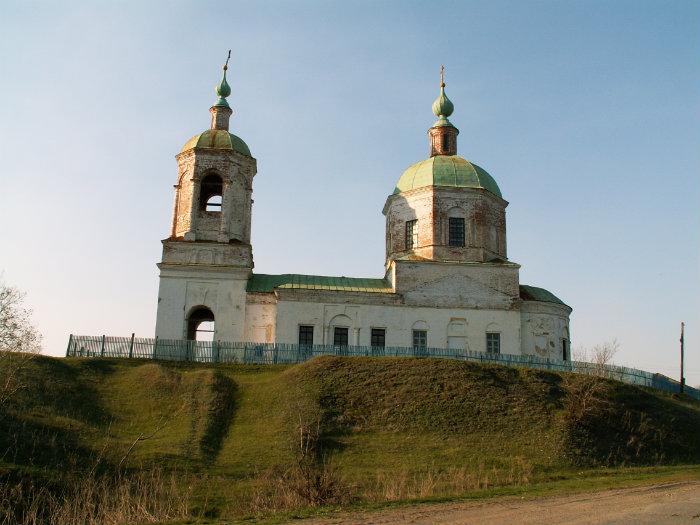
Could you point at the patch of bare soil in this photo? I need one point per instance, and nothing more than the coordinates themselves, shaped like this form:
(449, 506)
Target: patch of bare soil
(661, 504)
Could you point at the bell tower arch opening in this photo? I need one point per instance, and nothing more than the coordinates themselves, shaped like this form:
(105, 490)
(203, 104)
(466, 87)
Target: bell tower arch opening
(211, 193)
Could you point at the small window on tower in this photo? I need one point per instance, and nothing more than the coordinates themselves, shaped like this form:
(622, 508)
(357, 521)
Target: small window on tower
(210, 193)
(411, 234)
(445, 142)
(456, 228)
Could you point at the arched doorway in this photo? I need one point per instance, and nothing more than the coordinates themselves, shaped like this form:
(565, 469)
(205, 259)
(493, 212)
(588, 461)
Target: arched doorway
(200, 324)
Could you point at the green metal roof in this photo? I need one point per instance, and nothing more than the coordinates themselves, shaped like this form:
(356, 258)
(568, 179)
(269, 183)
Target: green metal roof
(261, 282)
(446, 170)
(532, 293)
(217, 139)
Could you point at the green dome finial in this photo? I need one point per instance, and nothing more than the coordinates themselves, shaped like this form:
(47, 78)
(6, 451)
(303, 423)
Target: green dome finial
(223, 89)
(443, 106)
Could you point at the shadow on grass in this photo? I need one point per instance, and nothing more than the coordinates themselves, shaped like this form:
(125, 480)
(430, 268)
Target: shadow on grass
(34, 444)
(225, 400)
(57, 388)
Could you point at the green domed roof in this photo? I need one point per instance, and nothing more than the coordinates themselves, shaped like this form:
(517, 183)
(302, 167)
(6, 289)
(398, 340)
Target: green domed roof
(217, 139)
(446, 170)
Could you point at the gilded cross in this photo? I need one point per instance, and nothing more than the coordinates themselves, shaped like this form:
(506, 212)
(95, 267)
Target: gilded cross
(442, 76)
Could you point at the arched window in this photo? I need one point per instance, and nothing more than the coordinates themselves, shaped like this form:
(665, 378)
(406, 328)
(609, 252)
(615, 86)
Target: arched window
(210, 193)
(339, 330)
(445, 143)
(493, 339)
(419, 337)
(200, 324)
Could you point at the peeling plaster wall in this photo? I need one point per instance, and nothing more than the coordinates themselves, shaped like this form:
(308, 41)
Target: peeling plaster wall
(459, 285)
(544, 327)
(233, 222)
(483, 212)
(260, 316)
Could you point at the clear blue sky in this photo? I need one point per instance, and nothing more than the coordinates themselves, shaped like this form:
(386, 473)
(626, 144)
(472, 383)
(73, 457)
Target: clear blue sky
(585, 112)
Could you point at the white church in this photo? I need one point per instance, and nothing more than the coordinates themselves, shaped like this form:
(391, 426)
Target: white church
(447, 280)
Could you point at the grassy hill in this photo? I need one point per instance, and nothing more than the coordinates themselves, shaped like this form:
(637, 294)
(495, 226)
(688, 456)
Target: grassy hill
(230, 441)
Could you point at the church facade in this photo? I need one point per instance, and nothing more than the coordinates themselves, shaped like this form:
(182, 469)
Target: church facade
(447, 280)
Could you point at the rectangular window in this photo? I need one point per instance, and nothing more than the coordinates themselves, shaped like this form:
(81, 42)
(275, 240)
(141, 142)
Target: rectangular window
(456, 231)
(378, 337)
(493, 343)
(564, 345)
(306, 335)
(340, 336)
(411, 234)
(420, 339)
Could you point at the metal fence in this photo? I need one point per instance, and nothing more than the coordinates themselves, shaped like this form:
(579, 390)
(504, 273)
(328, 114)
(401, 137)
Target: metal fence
(284, 353)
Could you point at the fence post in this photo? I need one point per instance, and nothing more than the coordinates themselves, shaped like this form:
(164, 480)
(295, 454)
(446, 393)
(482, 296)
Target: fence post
(102, 350)
(131, 346)
(215, 351)
(155, 346)
(70, 340)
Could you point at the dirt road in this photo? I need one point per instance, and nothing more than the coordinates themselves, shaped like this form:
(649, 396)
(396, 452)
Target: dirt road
(669, 503)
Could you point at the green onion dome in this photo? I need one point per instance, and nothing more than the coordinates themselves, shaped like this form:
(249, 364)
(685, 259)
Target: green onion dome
(443, 106)
(217, 139)
(223, 90)
(447, 171)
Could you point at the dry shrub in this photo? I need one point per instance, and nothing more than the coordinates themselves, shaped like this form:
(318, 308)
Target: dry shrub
(146, 497)
(457, 480)
(299, 486)
(311, 481)
(585, 397)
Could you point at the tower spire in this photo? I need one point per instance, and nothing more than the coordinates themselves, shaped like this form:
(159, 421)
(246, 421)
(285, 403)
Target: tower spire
(443, 135)
(443, 106)
(221, 111)
(223, 89)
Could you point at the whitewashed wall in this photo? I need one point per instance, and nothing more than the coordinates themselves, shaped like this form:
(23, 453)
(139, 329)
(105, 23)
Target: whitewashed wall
(465, 328)
(182, 290)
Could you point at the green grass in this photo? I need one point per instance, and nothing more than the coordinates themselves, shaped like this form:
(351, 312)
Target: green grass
(385, 426)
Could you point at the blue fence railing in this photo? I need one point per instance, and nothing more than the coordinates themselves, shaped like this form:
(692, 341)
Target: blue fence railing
(284, 353)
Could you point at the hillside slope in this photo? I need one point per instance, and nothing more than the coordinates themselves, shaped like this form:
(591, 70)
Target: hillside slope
(369, 428)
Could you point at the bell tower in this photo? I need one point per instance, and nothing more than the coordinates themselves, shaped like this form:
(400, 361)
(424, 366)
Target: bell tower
(208, 258)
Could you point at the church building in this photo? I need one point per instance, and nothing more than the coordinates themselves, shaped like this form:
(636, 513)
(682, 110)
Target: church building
(447, 280)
